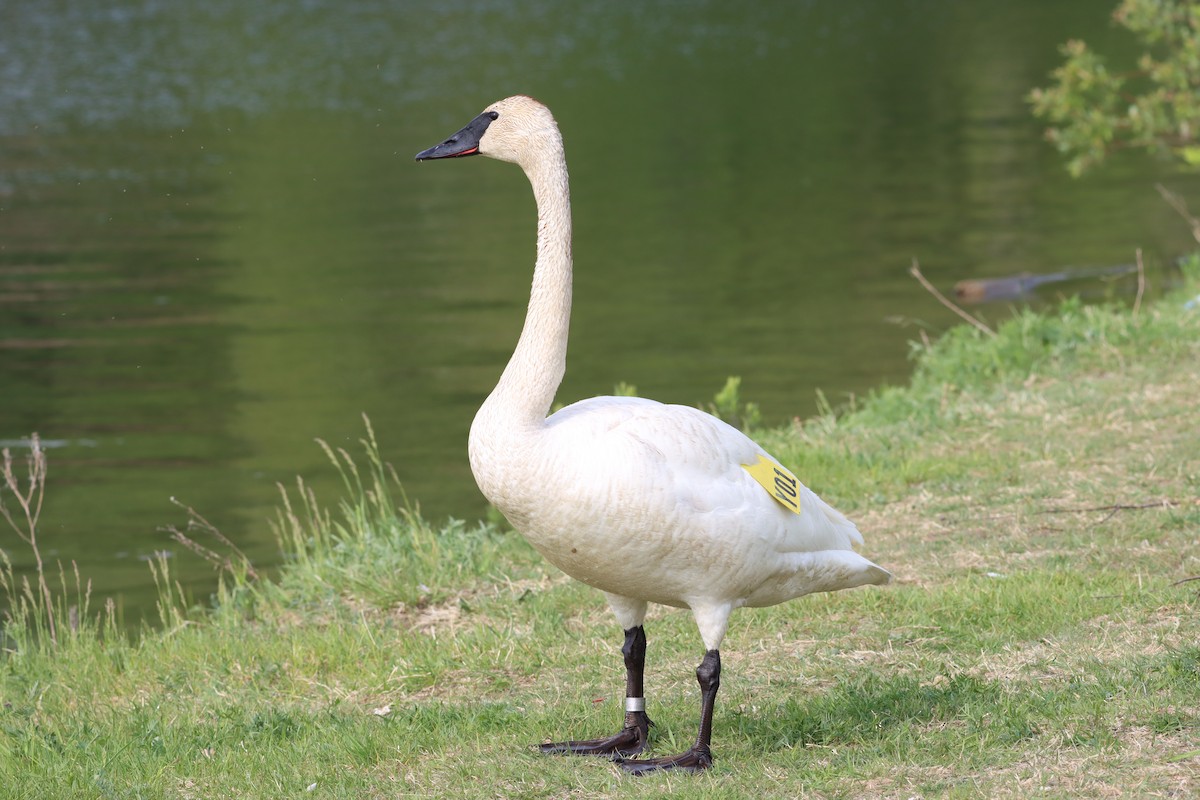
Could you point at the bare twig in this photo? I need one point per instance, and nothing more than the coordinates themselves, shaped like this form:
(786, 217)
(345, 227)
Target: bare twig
(30, 502)
(1141, 284)
(915, 271)
(1112, 507)
(1176, 202)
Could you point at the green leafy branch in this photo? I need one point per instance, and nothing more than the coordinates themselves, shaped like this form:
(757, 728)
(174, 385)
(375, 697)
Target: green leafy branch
(1094, 111)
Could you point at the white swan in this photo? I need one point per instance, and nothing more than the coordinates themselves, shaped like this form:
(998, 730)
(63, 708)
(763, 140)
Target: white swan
(649, 503)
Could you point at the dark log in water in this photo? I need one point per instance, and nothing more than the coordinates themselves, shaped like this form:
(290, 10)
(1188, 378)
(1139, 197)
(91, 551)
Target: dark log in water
(1017, 287)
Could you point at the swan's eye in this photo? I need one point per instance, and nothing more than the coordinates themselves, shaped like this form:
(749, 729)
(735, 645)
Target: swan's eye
(493, 114)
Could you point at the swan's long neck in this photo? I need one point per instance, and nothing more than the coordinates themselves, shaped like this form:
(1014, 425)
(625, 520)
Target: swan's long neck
(526, 389)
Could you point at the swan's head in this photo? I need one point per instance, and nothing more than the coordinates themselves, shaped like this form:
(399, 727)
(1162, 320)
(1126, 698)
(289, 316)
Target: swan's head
(514, 129)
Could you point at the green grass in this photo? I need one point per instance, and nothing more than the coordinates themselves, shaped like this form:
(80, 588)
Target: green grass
(1034, 493)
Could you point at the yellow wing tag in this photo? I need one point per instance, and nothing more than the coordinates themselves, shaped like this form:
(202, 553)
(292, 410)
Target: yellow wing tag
(779, 483)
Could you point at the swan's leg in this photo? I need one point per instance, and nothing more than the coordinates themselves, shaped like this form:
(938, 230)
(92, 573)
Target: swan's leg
(631, 740)
(712, 620)
(699, 756)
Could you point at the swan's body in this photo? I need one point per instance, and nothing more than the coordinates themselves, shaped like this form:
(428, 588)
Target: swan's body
(644, 501)
(651, 502)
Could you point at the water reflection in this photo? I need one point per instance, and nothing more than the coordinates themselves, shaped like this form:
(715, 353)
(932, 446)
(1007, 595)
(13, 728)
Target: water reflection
(214, 247)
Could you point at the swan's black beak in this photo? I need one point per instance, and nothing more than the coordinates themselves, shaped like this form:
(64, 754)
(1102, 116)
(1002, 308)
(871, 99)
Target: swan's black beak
(463, 143)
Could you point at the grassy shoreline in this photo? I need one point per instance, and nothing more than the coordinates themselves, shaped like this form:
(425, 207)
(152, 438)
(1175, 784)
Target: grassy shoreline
(1034, 493)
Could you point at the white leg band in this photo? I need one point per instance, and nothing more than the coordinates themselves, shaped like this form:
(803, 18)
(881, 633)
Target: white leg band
(635, 704)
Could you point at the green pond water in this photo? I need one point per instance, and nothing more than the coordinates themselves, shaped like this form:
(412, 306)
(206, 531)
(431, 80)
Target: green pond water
(215, 246)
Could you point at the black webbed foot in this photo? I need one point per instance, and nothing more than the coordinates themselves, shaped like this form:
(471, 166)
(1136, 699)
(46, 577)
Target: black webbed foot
(629, 742)
(696, 759)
